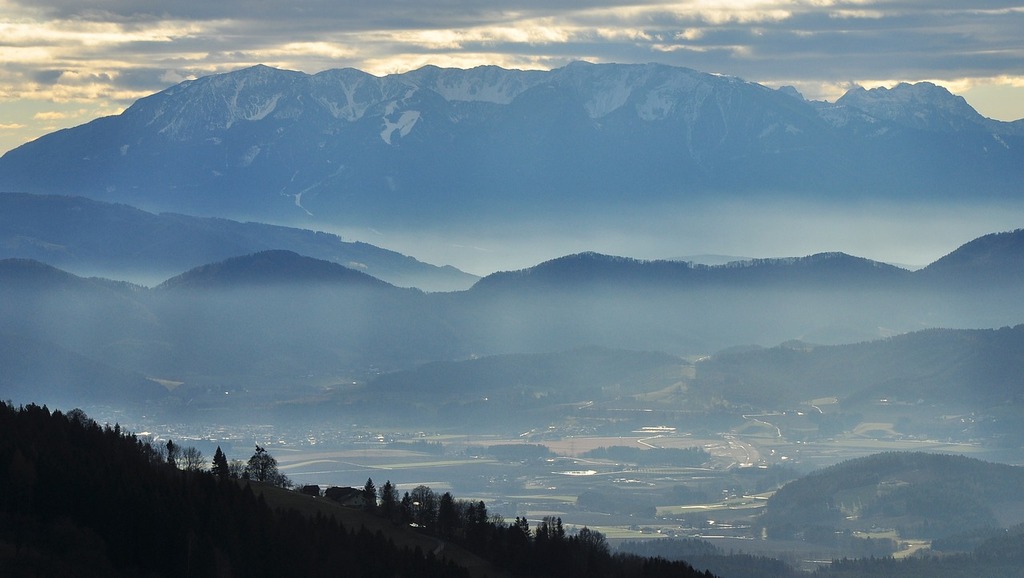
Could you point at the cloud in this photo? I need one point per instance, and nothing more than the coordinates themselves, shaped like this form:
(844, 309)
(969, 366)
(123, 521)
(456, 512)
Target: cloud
(52, 115)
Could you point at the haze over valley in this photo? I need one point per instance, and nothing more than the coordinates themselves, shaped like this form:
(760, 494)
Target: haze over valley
(519, 287)
(490, 169)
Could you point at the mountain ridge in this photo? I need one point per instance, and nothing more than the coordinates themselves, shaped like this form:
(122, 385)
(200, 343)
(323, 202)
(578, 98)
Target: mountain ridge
(120, 241)
(270, 268)
(595, 267)
(439, 146)
(247, 319)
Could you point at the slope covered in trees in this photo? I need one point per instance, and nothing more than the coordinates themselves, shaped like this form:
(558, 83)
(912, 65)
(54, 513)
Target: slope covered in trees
(975, 368)
(78, 499)
(920, 495)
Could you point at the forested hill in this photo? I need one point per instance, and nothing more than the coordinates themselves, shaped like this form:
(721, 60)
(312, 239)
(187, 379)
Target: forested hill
(78, 499)
(975, 368)
(921, 495)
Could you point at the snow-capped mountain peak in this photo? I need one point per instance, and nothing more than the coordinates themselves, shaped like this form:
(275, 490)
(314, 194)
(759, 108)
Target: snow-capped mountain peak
(922, 105)
(436, 142)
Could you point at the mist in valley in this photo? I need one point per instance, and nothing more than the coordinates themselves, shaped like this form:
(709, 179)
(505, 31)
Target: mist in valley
(601, 368)
(366, 322)
(908, 233)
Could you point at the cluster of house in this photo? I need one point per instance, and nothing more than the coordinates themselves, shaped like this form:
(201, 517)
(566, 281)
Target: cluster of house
(351, 497)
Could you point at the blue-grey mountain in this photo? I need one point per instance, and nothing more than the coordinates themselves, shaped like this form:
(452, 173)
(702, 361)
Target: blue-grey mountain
(118, 241)
(280, 322)
(434, 145)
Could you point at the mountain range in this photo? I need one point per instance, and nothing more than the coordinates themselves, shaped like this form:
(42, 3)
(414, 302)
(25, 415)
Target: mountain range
(276, 323)
(90, 237)
(436, 146)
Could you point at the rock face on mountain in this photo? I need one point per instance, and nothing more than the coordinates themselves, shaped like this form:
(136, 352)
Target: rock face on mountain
(435, 145)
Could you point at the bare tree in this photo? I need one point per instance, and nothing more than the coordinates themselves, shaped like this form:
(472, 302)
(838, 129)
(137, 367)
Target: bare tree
(192, 459)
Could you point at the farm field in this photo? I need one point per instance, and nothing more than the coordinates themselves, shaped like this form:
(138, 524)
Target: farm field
(717, 500)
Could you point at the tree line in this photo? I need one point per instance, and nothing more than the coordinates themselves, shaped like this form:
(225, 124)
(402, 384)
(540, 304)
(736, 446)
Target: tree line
(548, 549)
(261, 467)
(78, 499)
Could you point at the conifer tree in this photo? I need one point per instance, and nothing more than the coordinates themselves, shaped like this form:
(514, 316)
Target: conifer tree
(388, 500)
(370, 494)
(220, 465)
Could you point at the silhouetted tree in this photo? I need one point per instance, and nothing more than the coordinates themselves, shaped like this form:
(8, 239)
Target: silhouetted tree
(424, 503)
(405, 513)
(370, 494)
(388, 500)
(262, 467)
(173, 453)
(192, 459)
(592, 541)
(220, 466)
(447, 516)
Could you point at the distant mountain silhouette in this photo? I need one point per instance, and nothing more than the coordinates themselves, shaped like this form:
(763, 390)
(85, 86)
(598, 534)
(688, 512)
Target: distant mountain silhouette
(583, 371)
(270, 268)
(598, 270)
(277, 314)
(976, 369)
(920, 495)
(35, 369)
(92, 237)
(992, 260)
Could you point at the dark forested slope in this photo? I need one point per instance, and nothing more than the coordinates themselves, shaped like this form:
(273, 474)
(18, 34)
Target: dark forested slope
(974, 368)
(80, 500)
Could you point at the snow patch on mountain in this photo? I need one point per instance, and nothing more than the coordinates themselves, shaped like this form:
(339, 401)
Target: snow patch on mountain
(656, 105)
(467, 89)
(481, 84)
(256, 108)
(250, 155)
(350, 110)
(403, 125)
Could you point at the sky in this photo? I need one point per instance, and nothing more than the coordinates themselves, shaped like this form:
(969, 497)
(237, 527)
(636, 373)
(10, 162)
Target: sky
(66, 62)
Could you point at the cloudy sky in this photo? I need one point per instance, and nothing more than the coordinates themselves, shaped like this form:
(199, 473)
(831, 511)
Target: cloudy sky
(66, 62)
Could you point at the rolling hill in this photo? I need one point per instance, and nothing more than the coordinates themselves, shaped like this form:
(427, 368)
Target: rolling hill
(973, 369)
(276, 324)
(920, 495)
(117, 241)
